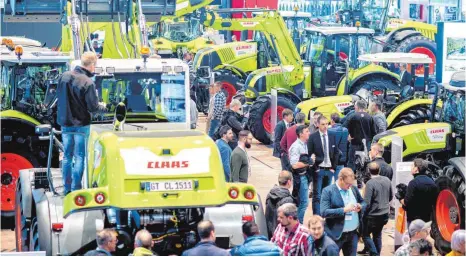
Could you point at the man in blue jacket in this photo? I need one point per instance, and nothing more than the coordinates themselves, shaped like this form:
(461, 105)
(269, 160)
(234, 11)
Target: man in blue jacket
(320, 244)
(226, 136)
(206, 247)
(255, 244)
(342, 206)
(341, 138)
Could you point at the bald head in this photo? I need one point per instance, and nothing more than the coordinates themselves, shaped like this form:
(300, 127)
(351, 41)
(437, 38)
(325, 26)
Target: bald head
(143, 239)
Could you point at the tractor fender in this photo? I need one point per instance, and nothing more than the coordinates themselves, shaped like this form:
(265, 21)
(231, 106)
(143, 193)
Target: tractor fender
(401, 34)
(458, 163)
(289, 94)
(12, 114)
(384, 75)
(402, 107)
(232, 68)
(26, 192)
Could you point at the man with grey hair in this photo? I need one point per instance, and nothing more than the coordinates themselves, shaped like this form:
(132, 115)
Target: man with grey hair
(405, 76)
(290, 235)
(77, 99)
(421, 247)
(458, 243)
(418, 229)
(143, 243)
(106, 242)
(360, 126)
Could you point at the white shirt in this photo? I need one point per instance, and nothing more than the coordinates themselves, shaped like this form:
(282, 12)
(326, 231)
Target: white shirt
(287, 125)
(326, 163)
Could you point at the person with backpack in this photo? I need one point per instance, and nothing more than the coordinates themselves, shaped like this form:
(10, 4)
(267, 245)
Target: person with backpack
(234, 119)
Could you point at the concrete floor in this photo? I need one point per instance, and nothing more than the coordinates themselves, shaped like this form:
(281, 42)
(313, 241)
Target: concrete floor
(265, 170)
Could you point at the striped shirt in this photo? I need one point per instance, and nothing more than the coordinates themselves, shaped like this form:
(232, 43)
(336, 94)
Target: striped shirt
(292, 243)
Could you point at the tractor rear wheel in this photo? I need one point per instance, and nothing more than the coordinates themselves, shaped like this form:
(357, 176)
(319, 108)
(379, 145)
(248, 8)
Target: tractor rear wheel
(12, 161)
(419, 45)
(260, 114)
(379, 83)
(415, 115)
(449, 211)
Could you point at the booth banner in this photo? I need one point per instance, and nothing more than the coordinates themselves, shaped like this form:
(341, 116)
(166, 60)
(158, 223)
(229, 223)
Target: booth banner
(451, 49)
(452, 3)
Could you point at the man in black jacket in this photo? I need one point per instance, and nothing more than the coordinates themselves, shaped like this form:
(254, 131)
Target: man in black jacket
(77, 98)
(278, 196)
(421, 194)
(360, 126)
(319, 243)
(376, 154)
(405, 76)
(323, 145)
(279, 131)
(234, 119)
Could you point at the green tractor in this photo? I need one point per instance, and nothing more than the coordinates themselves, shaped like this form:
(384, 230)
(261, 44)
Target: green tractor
(395, 35)
(402, 106)
(28, 87)
(442, 144)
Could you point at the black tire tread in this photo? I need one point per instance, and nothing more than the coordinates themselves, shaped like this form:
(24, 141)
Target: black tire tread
(415, 115)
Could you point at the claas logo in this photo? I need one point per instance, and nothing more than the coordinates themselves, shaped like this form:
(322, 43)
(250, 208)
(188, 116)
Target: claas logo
(435, 131)
(243, 47)
(167, 164)
(343, 104)
(276, 70)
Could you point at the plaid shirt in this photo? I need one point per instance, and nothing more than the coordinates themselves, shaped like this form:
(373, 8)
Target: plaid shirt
(403, 250)
(219, 105)
(294, 242)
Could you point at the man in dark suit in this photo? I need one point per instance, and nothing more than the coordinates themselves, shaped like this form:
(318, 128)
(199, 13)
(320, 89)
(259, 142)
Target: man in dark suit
(323, 145)
(342, 207)
(280, 129)
(405, 76)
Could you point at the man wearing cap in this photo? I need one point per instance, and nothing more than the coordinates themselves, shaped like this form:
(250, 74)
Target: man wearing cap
(418, 229)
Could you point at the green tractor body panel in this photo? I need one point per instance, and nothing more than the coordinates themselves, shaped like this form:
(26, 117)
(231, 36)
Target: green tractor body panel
(242, 55)
(419, 138)
(427, 30)
(165, 46)
(18, 115)
(326, 105)
(399, 109)
(356, 75)
(132, 161)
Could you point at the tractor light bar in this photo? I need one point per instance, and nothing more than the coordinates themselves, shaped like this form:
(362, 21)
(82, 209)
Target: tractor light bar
(178, 69)
(98, 70)
(18, 50)
(167, 69)
(110, 70)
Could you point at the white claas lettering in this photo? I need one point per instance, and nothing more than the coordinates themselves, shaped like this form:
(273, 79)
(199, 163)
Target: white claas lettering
(435, 131)
(167, 164)
(243, 47)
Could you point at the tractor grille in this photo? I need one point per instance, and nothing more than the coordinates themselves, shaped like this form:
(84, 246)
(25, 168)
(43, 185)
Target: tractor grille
(275, 80)
(227, 54)
(427, 33)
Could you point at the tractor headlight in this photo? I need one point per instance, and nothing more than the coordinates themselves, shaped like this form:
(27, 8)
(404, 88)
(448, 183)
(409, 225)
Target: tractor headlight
(164, 51)
(97, 154)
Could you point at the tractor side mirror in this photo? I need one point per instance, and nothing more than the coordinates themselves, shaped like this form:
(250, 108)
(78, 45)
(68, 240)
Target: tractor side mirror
(120, 112)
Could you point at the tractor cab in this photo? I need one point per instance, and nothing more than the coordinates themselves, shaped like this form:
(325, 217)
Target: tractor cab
(332, 53)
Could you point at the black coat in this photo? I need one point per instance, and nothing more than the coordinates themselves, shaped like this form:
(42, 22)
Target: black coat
(279, 132)
(421, 196)
(406, 79)
(314, 146)
(385, 169)
(276, 198)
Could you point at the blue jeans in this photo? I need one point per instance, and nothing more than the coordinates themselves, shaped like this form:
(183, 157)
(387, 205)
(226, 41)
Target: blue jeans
(348, 242)
(322, 179)
(303, 197)
(213, 127)
(74, 144)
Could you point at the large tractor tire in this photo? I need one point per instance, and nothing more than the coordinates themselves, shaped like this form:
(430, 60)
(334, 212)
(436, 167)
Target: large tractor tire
(260, 113)
(418, 114)
(375, 83)
(12, 161)
(419, 45)
(449, 211)
(229, 82)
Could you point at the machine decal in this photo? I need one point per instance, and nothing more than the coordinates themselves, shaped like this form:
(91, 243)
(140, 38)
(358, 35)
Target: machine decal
(245, 49)
(437, 134)
(249, 24)
(341, 106)
(141, 161)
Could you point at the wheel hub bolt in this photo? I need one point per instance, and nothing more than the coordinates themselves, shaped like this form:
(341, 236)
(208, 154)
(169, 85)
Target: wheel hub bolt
(454, 215)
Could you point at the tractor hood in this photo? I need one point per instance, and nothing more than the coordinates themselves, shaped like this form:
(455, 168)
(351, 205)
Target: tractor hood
(418, 138)
(156, 169)
(325, 105)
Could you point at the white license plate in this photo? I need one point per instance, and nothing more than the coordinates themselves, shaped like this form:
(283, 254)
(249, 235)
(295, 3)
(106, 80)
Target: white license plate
(171, 185)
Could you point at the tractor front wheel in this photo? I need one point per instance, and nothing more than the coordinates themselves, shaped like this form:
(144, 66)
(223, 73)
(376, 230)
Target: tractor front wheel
(12, 161)
(415, 115)
(449, 211)
(260, 115)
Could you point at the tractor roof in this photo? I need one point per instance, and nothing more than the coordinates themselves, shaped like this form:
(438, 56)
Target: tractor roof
(290, 14)
(23, 41)
(33, 52)
(133, 65)
(408, 58)
(340, 30)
